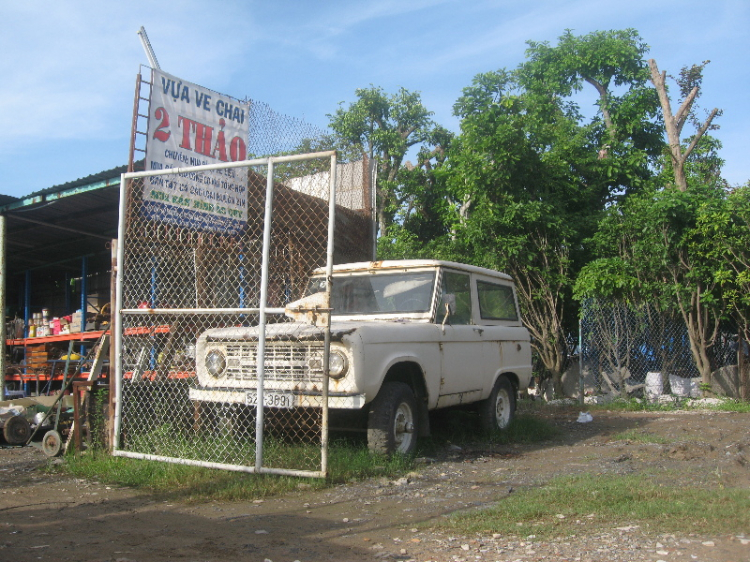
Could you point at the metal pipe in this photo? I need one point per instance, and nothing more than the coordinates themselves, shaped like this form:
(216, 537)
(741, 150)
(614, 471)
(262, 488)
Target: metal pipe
(26, 317)
(241, 259)
(117, 314)
(374, 206)
(150, 54)
(262, 318)
(48, 224)
(27, 301)
(84, 292)
(68, 299)
(225, 165)
(84, 299)
(327, 333)
(182, 311)
(580, 361)
(113, 337)
(206, 464)
(134, 127)
(3, 335)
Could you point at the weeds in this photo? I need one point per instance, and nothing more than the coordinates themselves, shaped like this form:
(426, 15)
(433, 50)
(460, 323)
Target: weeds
(461, 426)
(348, 459)
(190, 483)
(569, 505)
(641, 405)
(640, 436)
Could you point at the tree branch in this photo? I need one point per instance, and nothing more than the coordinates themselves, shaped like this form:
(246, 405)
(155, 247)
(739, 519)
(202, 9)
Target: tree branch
(701, 132)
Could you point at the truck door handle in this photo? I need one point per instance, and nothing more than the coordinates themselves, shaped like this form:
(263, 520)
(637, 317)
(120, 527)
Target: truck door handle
(480, 331)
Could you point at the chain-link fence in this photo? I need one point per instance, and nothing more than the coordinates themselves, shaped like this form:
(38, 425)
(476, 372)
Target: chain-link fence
(211, 369)
(639, 350)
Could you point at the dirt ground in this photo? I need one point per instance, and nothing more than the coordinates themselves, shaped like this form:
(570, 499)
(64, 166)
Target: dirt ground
(52, 517)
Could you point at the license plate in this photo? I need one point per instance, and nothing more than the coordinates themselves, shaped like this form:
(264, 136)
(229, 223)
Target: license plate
(271, 399)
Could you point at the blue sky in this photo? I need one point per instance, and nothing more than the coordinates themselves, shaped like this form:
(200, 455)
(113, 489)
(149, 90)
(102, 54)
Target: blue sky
(68, 68)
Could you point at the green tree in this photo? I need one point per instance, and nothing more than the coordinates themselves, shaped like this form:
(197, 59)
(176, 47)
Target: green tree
(421, 192)
(725, 242)
(653, 249)
(529, 177)
(605, 60)
(518, 204)
(385, 127)
(323, 143)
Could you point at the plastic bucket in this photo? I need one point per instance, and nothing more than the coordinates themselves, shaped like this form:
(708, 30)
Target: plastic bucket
(685, 387)
(654, 385)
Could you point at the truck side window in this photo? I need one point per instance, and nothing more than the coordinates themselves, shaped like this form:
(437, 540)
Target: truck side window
(496, 302)
(457, 284)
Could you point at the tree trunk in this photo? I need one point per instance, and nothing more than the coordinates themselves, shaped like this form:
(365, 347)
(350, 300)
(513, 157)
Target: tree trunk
(674, 124)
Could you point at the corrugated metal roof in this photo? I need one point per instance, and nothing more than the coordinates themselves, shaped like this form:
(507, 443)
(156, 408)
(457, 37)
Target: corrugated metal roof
(88, 180)
(5, 199)
(56, 227)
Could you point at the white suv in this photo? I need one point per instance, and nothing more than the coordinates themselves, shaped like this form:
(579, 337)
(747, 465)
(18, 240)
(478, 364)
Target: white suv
(406, 337)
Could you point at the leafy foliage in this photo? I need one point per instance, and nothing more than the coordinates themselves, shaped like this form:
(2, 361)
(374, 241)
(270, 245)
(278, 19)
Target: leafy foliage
(528, 178)
(653, 250)
(385, 127)
(568, 205)
(725, 243)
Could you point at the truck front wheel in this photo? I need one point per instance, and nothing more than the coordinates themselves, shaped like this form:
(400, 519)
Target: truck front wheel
(392, 424)
(499, 409)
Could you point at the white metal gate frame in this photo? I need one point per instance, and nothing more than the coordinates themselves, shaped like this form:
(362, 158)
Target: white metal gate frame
(262, 311)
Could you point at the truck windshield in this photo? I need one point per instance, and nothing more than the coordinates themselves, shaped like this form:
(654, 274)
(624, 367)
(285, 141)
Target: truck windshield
(388, 293)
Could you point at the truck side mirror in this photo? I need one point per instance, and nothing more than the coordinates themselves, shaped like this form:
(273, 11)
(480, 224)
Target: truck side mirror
(449, 303)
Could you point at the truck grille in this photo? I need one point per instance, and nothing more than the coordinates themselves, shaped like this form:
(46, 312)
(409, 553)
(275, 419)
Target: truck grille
(285, 362)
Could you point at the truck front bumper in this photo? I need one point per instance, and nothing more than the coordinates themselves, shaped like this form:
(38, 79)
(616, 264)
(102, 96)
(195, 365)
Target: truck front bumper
(336, 400)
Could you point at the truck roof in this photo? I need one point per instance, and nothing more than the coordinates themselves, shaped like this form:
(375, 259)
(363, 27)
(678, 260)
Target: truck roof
(411, 264)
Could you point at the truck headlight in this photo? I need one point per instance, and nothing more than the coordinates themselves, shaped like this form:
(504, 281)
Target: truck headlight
(215, 363)
(337, 364)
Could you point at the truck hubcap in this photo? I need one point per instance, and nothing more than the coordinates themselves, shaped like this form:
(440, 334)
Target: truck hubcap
(403, 430)
(502, 412)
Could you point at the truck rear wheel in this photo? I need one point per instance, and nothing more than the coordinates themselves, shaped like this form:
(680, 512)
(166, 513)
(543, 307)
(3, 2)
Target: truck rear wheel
(499, 409)
(392, 425)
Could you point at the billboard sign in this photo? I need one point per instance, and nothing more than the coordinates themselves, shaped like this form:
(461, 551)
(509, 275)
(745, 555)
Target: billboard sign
(189, 125)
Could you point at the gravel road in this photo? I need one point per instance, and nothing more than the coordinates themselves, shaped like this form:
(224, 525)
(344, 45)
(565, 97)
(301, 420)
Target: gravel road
(51, 517)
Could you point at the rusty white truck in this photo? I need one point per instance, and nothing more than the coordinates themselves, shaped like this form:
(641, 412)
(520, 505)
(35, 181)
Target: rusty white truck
(406, 337)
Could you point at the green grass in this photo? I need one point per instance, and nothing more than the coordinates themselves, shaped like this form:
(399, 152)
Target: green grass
(348, 460)
(733, 406)
(613, 500)
(640, 405)
(461, 427)
(572, 505)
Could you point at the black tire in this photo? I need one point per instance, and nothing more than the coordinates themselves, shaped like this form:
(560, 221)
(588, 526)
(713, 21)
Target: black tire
(499, 409)
(393, 421)
(17, 430)
(52, 443)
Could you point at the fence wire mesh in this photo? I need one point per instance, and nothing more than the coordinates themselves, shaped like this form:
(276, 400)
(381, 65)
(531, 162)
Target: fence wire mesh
(194, 310)
(639, 350)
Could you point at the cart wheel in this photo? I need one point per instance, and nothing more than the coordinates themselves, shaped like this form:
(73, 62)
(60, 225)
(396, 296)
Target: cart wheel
(52, 443)
(17, 430)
